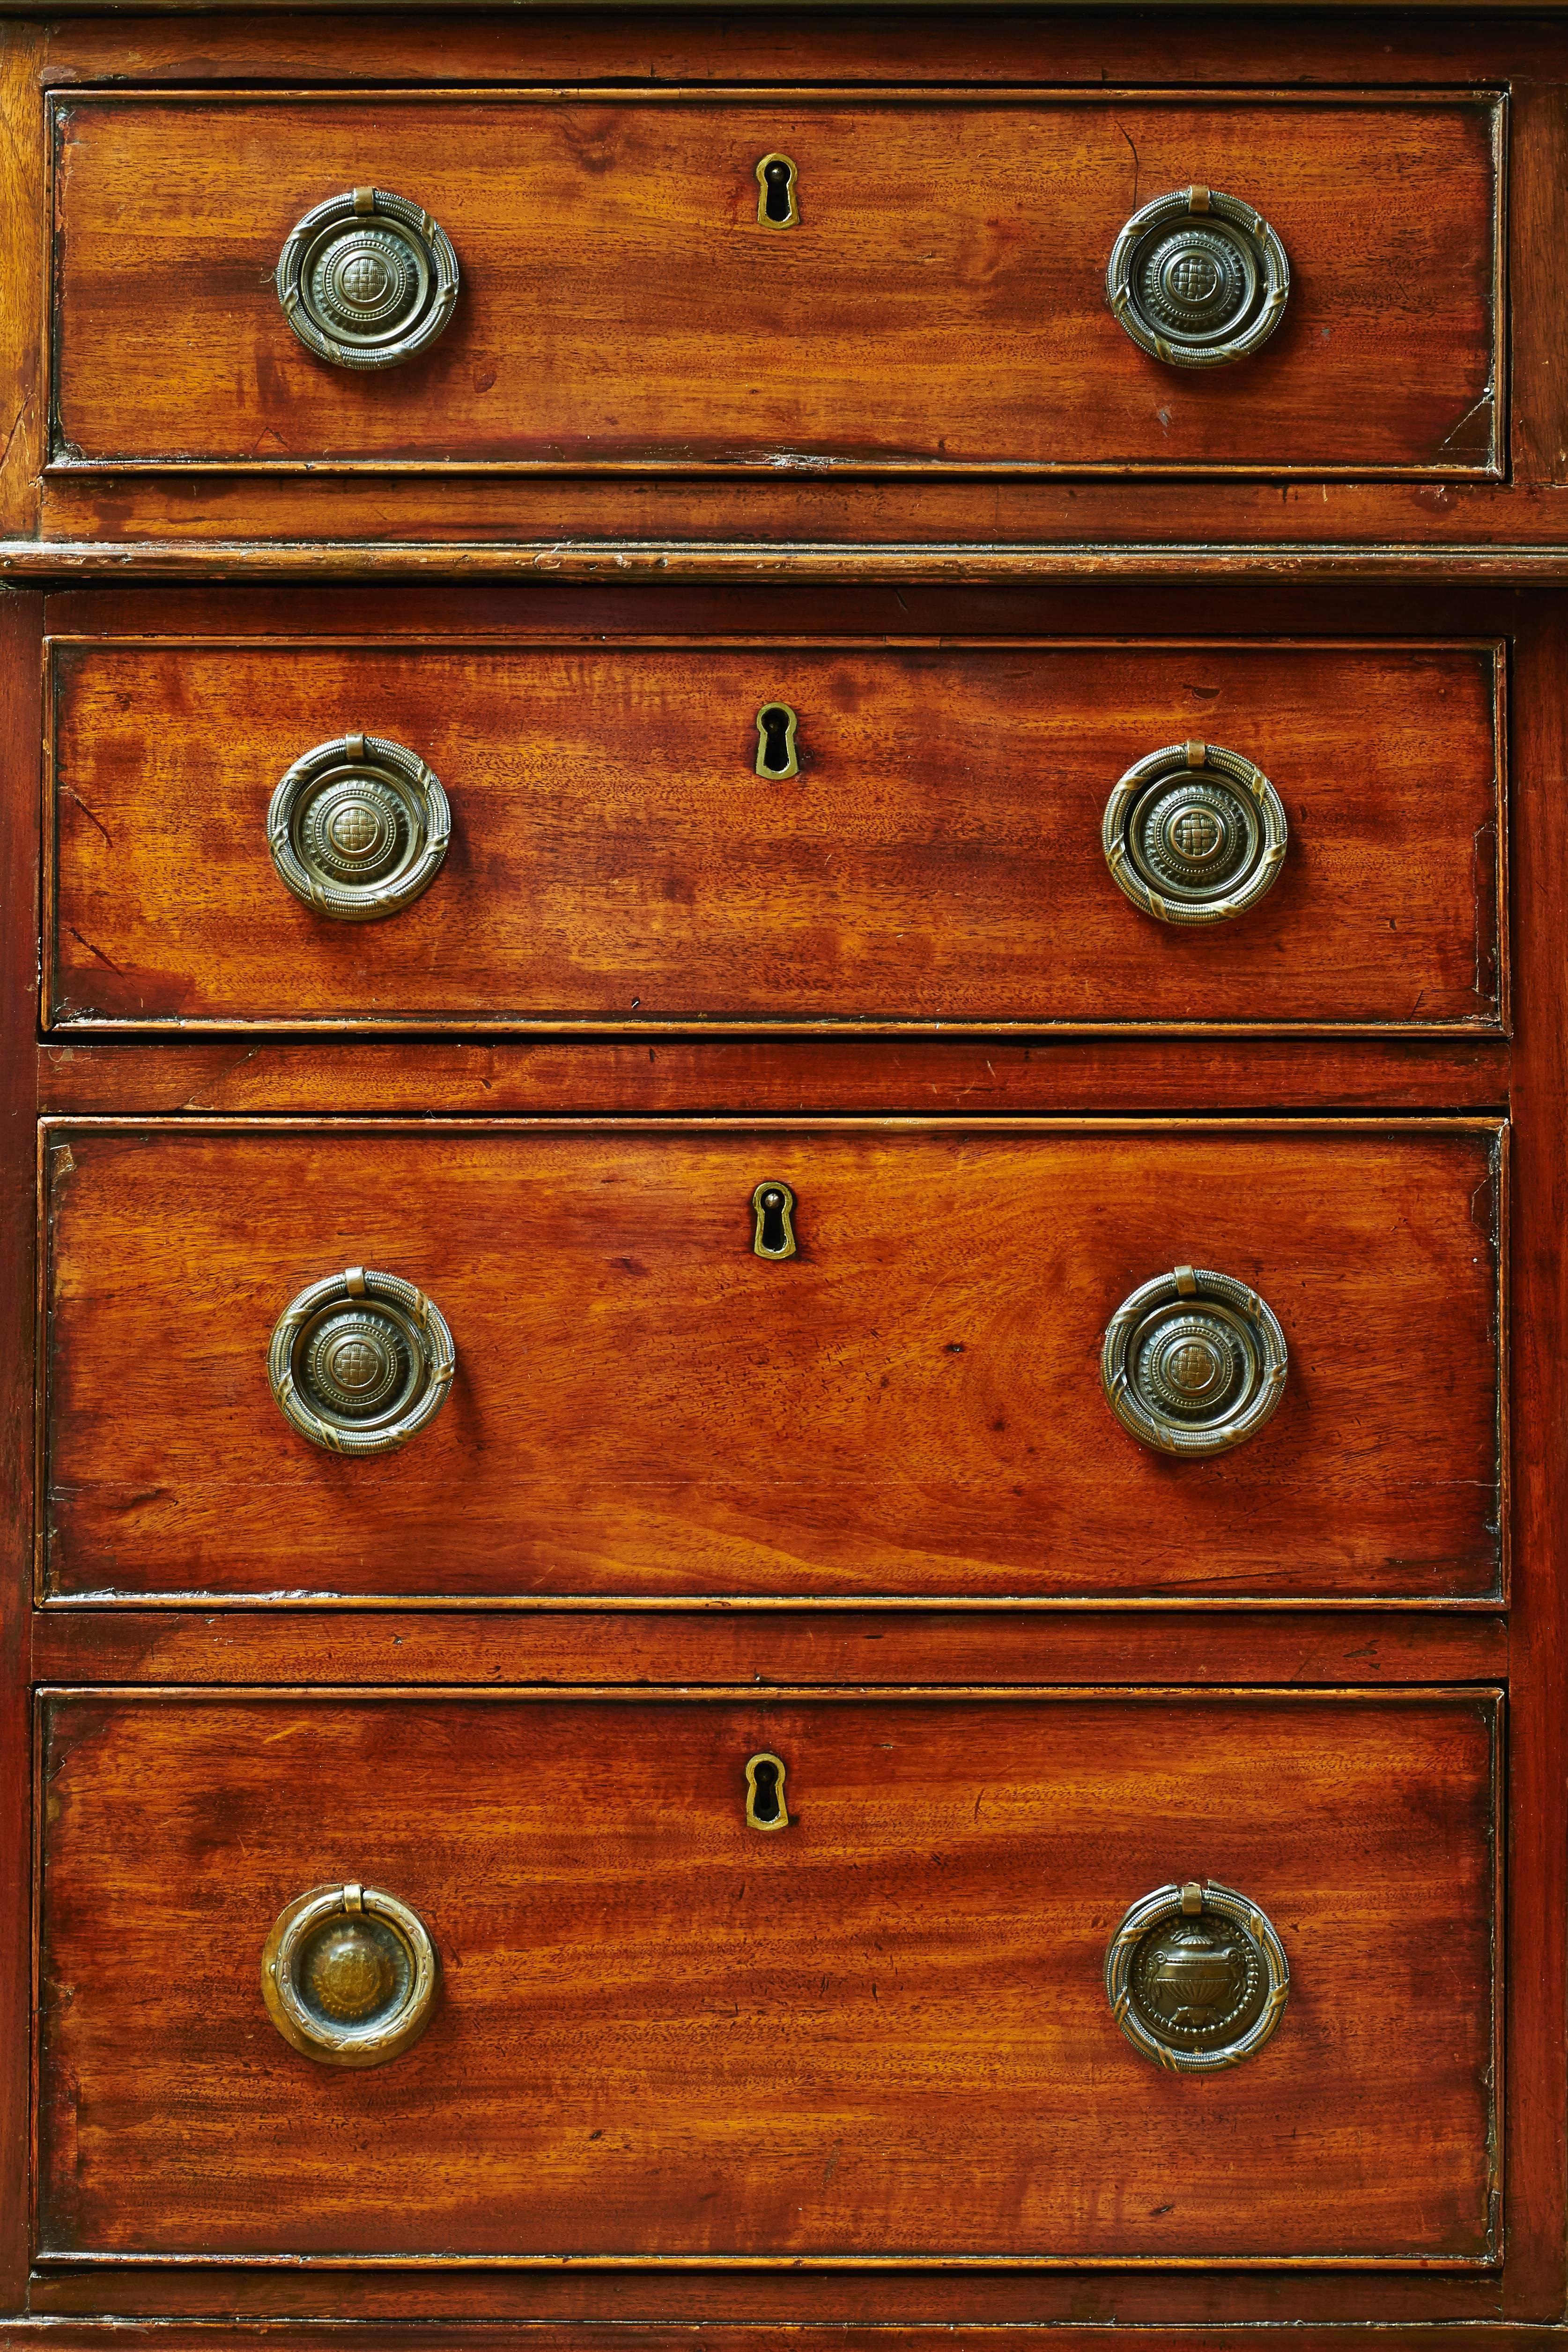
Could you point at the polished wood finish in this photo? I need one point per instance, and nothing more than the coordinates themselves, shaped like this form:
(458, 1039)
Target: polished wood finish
(938, 856)
(346, 1646)
(881, 2035)
(623, 306)
(531, 557)
(951, 1291)
(566, 2302)
(169, 517)
(825, 1076)
(20, 711)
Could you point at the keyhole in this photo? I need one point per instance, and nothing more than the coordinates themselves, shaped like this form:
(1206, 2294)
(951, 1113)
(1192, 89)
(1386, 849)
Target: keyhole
(772, 1205)
(776, 723)
(776, 206)
(765, 1806)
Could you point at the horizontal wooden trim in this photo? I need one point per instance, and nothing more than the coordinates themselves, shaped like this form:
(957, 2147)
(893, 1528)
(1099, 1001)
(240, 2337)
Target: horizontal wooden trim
(587, 2335)
(1165, 2263)
(1167, 92)
(805, 465)
(81, 1075)
(782, 1695)
(344, 1647)
(733, 1603)
(1431, 1123)
(90, 1027)
(647, 2307)
(28, 560)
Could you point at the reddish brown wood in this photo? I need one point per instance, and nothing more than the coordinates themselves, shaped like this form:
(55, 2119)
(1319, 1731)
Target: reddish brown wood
(774, 2301)
(1298, 1647)
(1539, 1290)
(619, 290)
(1440, 600)
(870, 2334)
(824, 1075)
(879, 2035)
(20, 661)
(185, 527)
(330, 44)
(22, 259)
(616, 854)
(644, 1408)
(1363, 537)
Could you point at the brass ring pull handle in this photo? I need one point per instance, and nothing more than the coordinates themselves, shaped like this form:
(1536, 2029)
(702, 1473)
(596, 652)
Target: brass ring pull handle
(1194, 833)
(1198, 278)
(349, 1976)
(1194, 1363)
(367, 279)
(359, 829)
(361, 1363)
(1196, 1978)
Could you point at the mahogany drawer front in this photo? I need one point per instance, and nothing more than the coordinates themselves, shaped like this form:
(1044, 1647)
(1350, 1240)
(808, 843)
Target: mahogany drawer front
(644, 1408)
(883, 2032)
(940, 304)
(615, 856)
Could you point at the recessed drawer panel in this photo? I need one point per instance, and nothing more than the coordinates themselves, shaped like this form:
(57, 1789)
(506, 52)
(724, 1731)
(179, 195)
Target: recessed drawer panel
(762, 1361)
(612, 281)
(598, 2009)
(1071, 833)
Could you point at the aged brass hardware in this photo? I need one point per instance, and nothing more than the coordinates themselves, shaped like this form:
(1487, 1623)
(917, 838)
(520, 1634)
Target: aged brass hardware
(772, 1206)
(1198, 278)
(349, 1976)
(1194, 833)
(361, 1363)
(367, 279)
(1194, 1363)
(776, 205)
(1196, 1978)
(359, 829)
(776, 723)
(765, 1806)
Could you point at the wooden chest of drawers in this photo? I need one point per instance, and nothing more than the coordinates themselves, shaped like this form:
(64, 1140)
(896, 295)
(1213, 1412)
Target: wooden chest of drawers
(782, 1127)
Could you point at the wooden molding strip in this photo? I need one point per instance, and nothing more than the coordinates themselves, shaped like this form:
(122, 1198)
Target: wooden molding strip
(26, 561)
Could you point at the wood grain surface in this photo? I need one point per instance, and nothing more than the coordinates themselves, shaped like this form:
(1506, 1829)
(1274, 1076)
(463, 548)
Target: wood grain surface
(622, 305)
(482, 1647)
(938, 857)
(823, 1077)
(881, 2034)
(21, 650)
(643, 1407)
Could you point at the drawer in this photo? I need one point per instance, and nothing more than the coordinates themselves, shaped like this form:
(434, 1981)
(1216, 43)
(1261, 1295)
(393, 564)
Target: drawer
(939, 302)
(803, 834)
(879, 2032)
(913, 1405)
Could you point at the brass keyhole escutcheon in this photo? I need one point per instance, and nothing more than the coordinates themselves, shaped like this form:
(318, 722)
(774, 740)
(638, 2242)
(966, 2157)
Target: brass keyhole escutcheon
(776, 724)
(765, 1806)
(776, 206)
(773, 1207)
